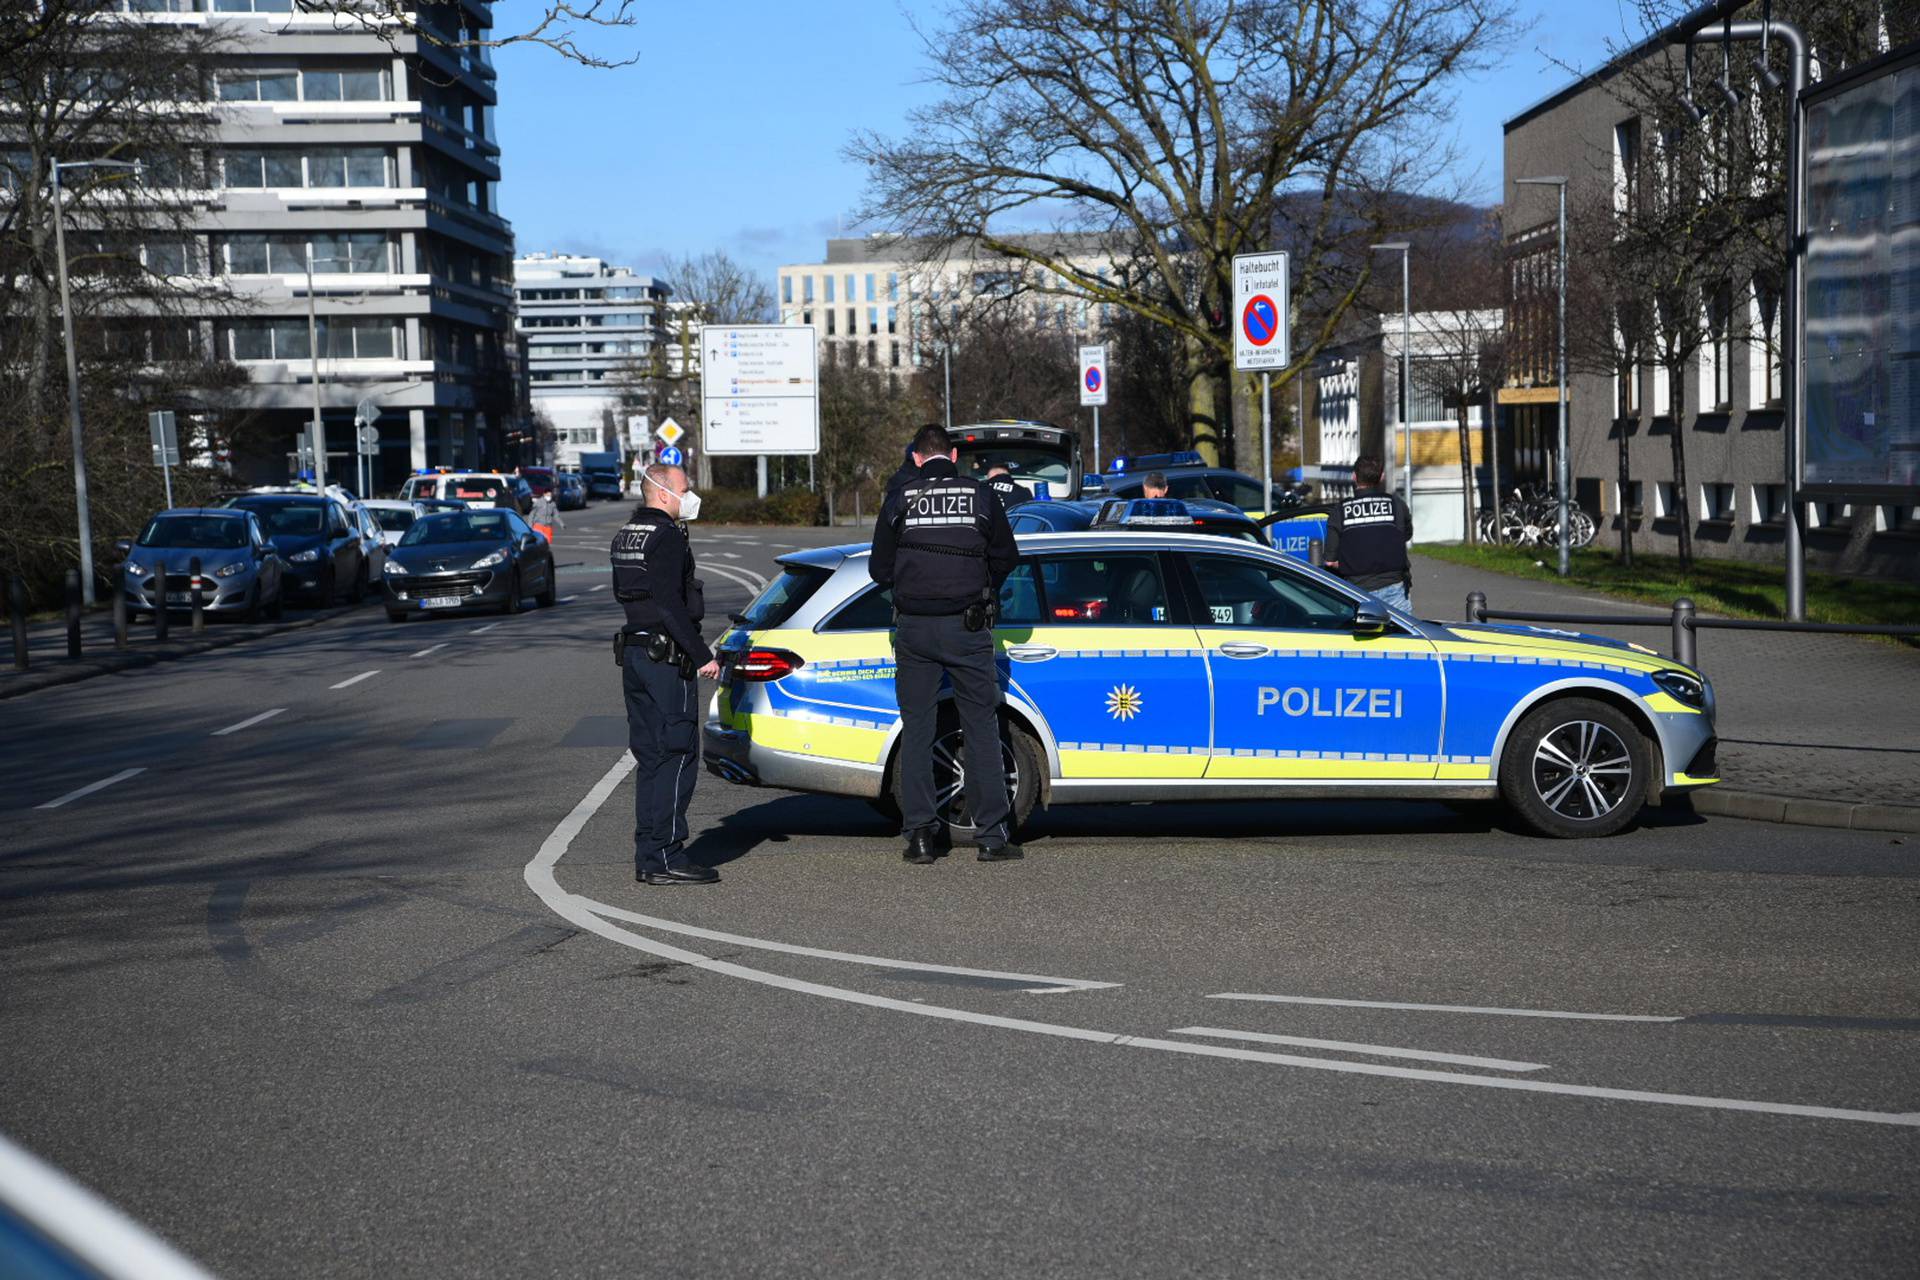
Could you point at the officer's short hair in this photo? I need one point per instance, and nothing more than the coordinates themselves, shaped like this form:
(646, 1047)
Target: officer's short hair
(1367, 471)
(1158, 479)
(932, 439)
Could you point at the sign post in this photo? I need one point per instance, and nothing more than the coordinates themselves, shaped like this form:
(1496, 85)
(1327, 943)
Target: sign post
(1093, 390)
(1262, 337)
(366, 441)
(166, 447)
(760, 391)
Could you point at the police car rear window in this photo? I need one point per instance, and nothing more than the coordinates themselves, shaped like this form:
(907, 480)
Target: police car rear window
(784, 596)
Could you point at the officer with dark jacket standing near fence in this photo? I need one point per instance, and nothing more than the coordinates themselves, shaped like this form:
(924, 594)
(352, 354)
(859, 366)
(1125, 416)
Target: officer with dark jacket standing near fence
(943, 544)
(660, 652)
(1367, 537)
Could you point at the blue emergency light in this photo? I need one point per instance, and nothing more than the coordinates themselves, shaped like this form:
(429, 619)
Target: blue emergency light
(1145, 513)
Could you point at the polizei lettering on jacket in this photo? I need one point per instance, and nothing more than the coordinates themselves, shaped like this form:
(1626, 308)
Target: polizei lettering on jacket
(1343, 704)
(1358, 511)
(930, 508)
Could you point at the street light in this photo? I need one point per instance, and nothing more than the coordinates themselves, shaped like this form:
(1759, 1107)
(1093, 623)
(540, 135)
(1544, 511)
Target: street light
(73, 365)
(1406, 354)
(1561, 482)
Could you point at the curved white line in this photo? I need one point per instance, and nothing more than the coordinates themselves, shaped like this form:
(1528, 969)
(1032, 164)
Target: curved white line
(582, 912)
(741, 577)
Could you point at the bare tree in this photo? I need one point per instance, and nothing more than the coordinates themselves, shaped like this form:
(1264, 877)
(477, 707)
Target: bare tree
(1192, 129)
(555, 26)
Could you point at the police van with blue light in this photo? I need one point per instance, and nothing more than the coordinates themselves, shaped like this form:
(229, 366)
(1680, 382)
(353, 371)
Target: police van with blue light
(1152, 663)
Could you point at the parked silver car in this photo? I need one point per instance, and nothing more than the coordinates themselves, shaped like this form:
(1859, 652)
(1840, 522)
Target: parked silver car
(240, 572)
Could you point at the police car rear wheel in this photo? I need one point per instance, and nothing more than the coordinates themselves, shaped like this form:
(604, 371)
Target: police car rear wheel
(1018, 752)
(1575, 767)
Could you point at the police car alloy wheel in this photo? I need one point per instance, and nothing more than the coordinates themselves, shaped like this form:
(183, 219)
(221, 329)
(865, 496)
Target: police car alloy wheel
(1575, 767)
(1018, 753)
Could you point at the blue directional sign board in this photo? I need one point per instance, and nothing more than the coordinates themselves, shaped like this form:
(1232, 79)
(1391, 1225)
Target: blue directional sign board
(671, 456)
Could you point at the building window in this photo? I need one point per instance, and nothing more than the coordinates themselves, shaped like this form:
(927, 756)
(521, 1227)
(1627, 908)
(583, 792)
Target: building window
(893, 320)
(893, 286)
(1666, 501)
(263, 86)
(251, 6)
(1626, 382)
(1626, 164)
(806, 317)
(873, 354)
(870, 278)
(1716, 359)
(1628, 503)
(1764, 369)
(831, 313)
(1717, 503)
(786, 290)
(806, 289)
(1662, 391)
(894, 354)
(829, 289)
(1898, 519)
(343, 86)
(329, 167)
(1832, 517)
(873, 320)
(850, 297)
(1770, 504)
(853, 325)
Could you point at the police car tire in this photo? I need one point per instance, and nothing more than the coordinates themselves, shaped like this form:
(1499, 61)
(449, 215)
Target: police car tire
(1027, 757)
(1517, 786)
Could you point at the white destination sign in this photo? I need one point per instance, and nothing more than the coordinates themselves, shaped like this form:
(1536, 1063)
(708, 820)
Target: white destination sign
(760, 387)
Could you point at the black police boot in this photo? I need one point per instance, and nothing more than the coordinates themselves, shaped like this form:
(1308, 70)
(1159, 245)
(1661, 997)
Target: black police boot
(688, 873)
(922, 848)
(1000, 853)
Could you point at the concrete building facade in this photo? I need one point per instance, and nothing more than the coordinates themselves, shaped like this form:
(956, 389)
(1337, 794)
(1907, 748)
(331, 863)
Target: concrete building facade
(585, 321)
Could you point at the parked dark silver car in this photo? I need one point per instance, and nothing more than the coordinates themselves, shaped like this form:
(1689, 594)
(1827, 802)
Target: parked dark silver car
(465, 560)
(240, 572)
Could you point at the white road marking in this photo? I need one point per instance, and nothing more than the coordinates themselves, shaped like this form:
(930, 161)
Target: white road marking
(248, 723)
(1447, 1008)
(539, 877)
(352, 680)
(1050, 984)
(1371, 1050)
(90, 788)
(480, 631)
(731, 555)
(566, 599)
(598, 587)
(432, 648)
(745, 577)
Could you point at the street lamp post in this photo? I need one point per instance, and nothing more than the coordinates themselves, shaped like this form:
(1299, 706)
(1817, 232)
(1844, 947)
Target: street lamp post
(1406, 354)
(1562, 480)
(73, 366)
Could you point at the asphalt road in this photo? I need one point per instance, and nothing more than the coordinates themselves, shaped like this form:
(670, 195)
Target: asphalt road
(356, 990)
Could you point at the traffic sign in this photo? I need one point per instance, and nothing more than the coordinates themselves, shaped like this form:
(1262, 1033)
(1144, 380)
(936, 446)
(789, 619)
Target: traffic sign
(670, 456)
(760, 389)
(671, 432)
(368, 438)
(166, 444)
(1093, 375)
(1262, 337)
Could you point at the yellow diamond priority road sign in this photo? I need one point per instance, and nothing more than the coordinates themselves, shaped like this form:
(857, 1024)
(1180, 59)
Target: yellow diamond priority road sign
(670, 432)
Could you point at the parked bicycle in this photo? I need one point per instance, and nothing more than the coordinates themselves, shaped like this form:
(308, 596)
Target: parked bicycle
(1530, 517)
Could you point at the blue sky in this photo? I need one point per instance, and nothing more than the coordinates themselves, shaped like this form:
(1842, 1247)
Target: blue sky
(727, 132)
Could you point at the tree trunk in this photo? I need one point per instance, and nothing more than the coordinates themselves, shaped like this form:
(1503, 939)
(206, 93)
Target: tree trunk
(1207, 405)
(1677, 378)
(1467, 533)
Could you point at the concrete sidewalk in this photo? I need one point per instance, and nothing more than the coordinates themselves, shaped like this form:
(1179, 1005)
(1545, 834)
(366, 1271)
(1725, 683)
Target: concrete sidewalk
(1813, 728)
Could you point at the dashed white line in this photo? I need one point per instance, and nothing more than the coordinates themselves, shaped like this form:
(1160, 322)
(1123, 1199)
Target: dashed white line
(248, 723)
(480, 631)
(731, 555)
(432, 648)
(1369, 1050)
(566, 599)
(352, 680)
(90, 788)
(1447, 1008)
(540, 878)
(600, 586)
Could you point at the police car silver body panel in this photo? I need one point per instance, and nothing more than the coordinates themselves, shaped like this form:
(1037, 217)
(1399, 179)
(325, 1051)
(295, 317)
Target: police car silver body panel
(1485, 680)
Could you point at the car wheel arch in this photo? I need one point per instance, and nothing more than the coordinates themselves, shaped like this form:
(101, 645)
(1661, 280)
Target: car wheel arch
(1618, 696)
(1020, 714)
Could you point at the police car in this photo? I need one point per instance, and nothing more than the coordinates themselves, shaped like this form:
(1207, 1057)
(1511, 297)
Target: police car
(1196, 515)
(1149, 665)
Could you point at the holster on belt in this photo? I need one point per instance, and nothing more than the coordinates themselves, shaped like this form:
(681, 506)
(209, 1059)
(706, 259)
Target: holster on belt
(982, 613)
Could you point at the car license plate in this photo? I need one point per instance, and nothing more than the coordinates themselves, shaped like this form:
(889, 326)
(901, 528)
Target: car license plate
(181, 597)
(441, 602)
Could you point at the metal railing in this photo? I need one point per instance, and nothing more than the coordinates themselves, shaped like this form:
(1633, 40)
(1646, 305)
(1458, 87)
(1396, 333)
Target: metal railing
(1683, 619)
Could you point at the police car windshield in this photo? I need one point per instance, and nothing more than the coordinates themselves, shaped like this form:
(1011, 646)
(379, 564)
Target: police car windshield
(214, 533)
(1024, 463)
(476, 526)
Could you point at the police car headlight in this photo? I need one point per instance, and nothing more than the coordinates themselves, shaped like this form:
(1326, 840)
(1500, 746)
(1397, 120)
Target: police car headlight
(491, 559)
(1686, 688)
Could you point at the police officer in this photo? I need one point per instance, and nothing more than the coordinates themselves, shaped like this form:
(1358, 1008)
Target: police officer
(1010, 491)
(1155, 485)
(660, 652)
(1367, 537)
(943, 544)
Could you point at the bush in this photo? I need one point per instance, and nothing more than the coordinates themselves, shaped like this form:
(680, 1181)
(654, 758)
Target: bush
(741, 506)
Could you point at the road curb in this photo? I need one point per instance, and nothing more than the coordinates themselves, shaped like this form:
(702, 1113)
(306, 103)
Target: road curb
(1802, 811)
(54, 672)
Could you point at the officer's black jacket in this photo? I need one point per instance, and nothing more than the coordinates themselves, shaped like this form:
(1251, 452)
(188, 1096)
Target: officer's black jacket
(1367, 537)
(653, 580)
(941, 539)
(898, 480)
(1010, 491)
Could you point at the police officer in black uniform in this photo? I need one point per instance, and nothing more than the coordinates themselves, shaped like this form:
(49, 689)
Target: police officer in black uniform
(1367, 537)
(943, 544)
(660, 652)
(1010, 491)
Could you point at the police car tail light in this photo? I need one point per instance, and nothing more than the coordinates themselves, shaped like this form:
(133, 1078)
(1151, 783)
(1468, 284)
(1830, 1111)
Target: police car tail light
(766, 664)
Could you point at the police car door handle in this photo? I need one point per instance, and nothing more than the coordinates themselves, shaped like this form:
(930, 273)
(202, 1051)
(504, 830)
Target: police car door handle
(1244, 649)
(1031, 652)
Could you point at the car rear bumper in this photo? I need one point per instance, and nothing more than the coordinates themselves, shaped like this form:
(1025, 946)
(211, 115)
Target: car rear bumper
(731, 754)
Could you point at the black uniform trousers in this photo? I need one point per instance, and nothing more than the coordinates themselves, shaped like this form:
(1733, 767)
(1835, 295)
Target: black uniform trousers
(666, 752)
(925, 648)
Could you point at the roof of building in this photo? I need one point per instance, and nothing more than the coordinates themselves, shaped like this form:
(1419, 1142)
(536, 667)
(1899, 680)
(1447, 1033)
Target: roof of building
(884, 247)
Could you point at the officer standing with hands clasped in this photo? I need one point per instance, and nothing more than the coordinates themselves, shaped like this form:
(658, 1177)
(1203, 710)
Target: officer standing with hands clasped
(660, 652)
(1367, 537)
(943, 544)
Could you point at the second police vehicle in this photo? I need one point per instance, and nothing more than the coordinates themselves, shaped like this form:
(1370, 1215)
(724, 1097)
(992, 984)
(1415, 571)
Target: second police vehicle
(1146, 663)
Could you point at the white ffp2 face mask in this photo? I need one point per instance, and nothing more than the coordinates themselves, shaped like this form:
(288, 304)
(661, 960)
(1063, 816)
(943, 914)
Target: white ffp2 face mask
(689, 501)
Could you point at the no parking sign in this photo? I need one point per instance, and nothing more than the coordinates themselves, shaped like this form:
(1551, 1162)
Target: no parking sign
(1093, 375)
(1261, 336)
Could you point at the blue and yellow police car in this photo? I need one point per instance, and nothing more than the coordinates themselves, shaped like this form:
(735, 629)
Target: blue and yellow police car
(1169, 665)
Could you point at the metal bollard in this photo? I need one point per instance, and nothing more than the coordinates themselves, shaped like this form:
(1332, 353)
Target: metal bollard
(73, 613)
(1683, 636)
(193, 594)
(1476, 606)
(1316, 553)
(161, 623)
(17, 616)
(119, 611)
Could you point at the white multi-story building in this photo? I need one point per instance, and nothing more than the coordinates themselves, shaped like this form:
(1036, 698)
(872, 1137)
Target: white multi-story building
(873, 303)
(585, 320)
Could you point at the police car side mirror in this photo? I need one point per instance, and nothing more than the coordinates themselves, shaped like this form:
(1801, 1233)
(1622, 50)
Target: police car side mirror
(1370, 618)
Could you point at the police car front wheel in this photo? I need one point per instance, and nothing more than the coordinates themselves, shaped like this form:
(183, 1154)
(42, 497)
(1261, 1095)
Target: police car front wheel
(1575, 767)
